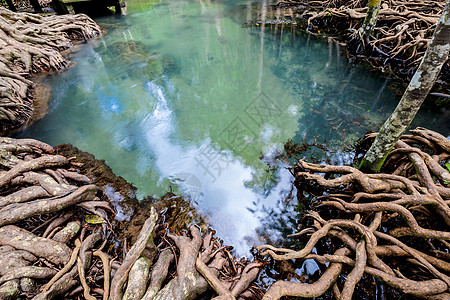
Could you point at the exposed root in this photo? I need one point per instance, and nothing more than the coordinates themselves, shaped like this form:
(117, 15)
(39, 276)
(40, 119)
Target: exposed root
(137, 279)
(55, 225)
(159, 274)
(399, 41)
(106, 272)
(133, 255)
(31, 43)
(380, 220)
(81, 273)
(22, 239)
(66, 268)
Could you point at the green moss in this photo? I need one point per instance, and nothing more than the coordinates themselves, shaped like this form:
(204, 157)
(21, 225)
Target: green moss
(375, 167)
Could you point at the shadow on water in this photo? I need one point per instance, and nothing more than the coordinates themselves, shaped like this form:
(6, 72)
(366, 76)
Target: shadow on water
(180, 96)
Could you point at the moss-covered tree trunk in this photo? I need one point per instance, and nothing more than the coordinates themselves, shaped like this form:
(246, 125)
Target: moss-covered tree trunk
(371, 18)
(419, 87)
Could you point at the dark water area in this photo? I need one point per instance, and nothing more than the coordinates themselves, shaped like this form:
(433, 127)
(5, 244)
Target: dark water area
(179, 96)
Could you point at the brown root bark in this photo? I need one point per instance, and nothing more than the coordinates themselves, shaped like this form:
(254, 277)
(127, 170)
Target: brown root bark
(61, 286)
(133, 255)
(54, 237)
(15, 258)
(284, 288)
(137, 279)
(41, 247)
(32, 43)
(36, 191)
(381, 219)
(66, 234)
(159, 274)
(9, 290)
(106, 272)
(16, 212)
(399, 40)
(27, 272)
(188, 284)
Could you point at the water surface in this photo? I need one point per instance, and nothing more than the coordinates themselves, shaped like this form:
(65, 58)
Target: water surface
(180, 96)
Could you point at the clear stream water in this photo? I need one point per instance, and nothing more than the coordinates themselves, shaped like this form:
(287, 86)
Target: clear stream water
(179, 95)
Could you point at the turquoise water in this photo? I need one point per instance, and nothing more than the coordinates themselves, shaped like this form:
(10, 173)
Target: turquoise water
(179, 95)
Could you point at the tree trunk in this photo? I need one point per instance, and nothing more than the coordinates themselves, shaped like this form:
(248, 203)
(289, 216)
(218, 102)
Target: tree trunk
(371, 18)
(419, 87)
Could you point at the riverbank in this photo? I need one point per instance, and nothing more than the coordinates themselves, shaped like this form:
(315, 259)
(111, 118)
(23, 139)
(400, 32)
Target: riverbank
(55, 208)
(64, 234)
(397, 46)
(31, 44)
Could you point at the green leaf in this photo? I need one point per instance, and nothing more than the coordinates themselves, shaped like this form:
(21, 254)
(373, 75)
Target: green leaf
(447, 165)
(93, 219)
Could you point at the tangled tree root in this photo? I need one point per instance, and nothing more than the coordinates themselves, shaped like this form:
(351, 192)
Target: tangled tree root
(57, 240)
(30, 43)
(57, 237)
(400, 39)
(403, 31)
(392, 226)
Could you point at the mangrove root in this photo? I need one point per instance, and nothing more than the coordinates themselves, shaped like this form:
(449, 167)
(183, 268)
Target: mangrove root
(31, 43)
(369, 224)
